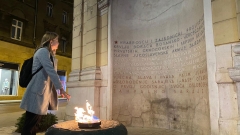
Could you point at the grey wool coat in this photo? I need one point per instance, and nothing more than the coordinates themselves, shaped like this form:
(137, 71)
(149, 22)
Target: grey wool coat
(40, 94)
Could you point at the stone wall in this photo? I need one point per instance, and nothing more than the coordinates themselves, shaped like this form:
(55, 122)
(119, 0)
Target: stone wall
(159, 65)
(89, 77)
(228, 105)
(225, 21)
(225, 16)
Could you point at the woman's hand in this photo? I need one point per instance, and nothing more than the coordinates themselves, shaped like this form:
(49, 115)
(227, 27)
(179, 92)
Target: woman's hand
(64, 94)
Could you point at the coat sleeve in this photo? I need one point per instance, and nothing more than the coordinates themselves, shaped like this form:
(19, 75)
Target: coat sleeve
(44, 58)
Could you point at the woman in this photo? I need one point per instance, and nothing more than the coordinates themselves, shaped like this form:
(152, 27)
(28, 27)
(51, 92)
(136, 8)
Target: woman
(40, 95)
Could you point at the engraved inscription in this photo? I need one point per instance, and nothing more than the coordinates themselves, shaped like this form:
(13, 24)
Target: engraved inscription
(175, 63)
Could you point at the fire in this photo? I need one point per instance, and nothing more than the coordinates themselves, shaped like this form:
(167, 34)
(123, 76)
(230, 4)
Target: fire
(82, 118)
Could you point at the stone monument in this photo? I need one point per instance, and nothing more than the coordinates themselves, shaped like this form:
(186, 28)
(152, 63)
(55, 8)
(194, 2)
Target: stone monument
(160, 74)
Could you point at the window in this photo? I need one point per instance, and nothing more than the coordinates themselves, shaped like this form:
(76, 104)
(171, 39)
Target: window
(16, 29)
(8, 78)
(64, 17)
(49, 9)
(64, 43)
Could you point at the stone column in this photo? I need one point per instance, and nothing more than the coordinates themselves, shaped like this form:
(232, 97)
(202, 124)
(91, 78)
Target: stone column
(234, 74)
(86, 80)
(104, 59)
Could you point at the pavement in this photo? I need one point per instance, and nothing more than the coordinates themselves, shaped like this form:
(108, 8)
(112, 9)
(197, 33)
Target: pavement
(131, 131)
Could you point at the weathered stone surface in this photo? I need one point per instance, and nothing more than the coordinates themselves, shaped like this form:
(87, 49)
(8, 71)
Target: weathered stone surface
(160, 72)
(107, 127)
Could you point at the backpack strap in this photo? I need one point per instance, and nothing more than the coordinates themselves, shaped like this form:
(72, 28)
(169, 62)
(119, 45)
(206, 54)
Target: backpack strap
(42, 66)
(37, 70)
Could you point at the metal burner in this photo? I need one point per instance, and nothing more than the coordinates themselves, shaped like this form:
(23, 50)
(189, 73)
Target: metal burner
(89, 125)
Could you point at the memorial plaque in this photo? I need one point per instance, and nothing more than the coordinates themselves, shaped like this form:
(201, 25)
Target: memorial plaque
(159, 64)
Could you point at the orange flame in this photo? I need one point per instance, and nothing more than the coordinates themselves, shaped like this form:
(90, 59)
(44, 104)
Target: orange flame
(82, 118)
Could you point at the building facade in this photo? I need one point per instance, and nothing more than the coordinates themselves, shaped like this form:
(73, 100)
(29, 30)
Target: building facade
(160, 64)
(22, 25)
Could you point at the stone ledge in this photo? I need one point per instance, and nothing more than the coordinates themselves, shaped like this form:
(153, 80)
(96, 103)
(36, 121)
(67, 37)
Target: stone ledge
(223, 77)
(87, 83)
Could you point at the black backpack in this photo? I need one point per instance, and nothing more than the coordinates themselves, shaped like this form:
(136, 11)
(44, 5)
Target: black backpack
(26, 72)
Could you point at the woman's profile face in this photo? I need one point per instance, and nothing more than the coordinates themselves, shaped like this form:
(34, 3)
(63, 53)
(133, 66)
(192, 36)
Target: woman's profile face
(54, 44)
